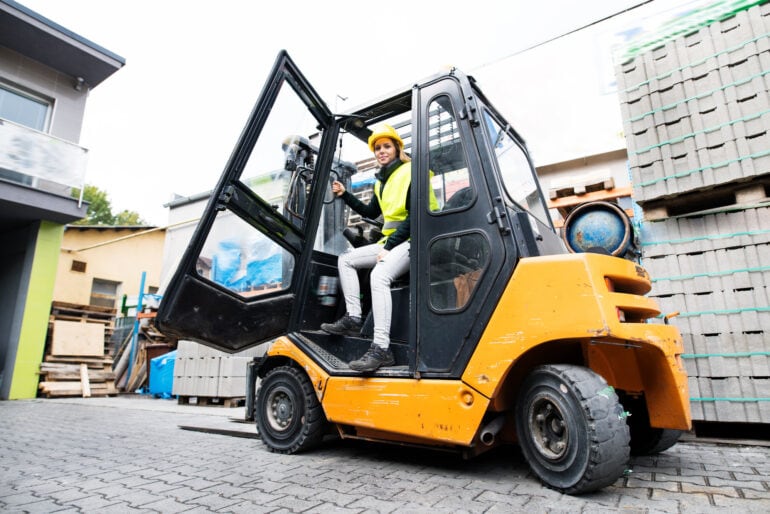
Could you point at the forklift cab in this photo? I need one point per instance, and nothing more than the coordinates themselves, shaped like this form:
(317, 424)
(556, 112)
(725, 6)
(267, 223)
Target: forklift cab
(263, 260)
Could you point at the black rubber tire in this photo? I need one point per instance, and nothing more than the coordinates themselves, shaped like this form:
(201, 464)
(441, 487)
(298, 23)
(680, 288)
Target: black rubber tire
(572, 429)
(646, 440)
(289, 417)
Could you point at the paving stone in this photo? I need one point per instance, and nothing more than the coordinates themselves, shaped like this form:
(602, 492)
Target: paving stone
(294, 504)
(74, 466)
(168, 505)
(93, 503)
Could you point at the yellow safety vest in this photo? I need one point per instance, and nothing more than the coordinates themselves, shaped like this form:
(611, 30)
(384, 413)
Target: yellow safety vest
(393, 201)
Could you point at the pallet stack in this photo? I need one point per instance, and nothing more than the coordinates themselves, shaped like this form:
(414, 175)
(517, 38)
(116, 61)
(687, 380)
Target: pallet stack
(696, 112)
(77, 361)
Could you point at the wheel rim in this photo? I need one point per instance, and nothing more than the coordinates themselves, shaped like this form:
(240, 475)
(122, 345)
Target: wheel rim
(280, 409)
(548, 429)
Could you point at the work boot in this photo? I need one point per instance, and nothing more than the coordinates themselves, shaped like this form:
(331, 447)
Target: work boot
(373, 359)
(345, 326)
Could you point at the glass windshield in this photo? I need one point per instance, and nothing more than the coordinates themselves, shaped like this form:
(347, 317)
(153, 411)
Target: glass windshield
(280, 167)
(518, 176)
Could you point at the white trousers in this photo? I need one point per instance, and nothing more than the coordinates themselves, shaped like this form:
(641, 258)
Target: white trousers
(395, 264)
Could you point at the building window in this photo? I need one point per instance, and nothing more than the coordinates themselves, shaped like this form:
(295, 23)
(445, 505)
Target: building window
(78, 266)
(104, 293)
(24, 108)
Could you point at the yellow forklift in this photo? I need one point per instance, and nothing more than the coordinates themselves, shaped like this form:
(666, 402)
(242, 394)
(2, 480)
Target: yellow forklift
(501, 335)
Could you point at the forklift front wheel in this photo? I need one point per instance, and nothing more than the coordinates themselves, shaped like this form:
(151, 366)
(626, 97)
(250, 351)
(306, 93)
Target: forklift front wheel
(289, 417)
(571, 429)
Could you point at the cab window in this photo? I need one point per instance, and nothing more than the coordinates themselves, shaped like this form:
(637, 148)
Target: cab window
(517, 175)
(240, 258)
(450, 179)
(281, 164)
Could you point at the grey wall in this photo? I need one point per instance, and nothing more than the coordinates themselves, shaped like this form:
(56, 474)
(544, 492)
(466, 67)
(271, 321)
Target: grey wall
(68, 104)
(16, 254)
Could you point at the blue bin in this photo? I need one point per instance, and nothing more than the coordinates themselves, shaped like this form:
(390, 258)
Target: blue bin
(162, 374)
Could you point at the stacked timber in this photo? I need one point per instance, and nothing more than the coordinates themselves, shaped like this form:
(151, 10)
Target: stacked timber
(696, 111)
(137, 342)
(77, 360)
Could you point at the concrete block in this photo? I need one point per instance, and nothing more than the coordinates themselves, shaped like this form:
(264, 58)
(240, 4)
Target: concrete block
(186, 349)
(694, 48)
(700, 68)
(631, 73)
(668, 97)
(180, 366)
(233, 366)
(662, 59)
(721, 365)
(702, 85)
(182, 386)
(206, 386)
(634, 92)
(730, 387)
(754, 163)
(744, 90)
(683, 173)
(731, 32)
(210, 366)
(642, 141)
(713, 137)
(644, 157)
(649, 181)
(670, 113)
(637, 108)
(757, 259)
(637, 125)
(665, 80)
(231, 387)
(748, 106)
(675, 131)
(741, 70)
(696, 407)
(709, 111)
(752, 126)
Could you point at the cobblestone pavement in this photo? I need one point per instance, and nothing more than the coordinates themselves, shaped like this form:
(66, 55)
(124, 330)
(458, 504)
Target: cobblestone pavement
(119, 455)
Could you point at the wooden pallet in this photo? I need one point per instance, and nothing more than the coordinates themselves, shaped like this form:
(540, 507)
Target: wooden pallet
(565, 204)
(67, 376)
(581, 188)
(710, 200)
(212, 401)
(78, 369)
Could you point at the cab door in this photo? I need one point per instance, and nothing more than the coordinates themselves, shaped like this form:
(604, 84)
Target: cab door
(462, 243)
(239, 281)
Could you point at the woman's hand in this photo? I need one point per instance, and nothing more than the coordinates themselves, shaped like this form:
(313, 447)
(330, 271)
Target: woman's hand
(383, 253)
(337, 188)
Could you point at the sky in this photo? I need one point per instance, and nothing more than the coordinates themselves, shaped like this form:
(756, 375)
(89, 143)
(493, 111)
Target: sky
(166, 123)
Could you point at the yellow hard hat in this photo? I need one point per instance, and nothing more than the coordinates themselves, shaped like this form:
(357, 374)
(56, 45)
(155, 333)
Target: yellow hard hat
(384, 130)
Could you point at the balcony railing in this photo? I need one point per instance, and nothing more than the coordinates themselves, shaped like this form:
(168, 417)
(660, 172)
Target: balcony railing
(40, 160)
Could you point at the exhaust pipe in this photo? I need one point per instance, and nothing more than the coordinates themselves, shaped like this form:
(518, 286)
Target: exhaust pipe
(490, 431)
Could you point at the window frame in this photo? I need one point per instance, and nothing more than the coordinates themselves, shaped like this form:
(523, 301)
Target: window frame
(37, 98)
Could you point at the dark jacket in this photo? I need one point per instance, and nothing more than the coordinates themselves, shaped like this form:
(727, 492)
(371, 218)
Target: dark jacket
(372, 210)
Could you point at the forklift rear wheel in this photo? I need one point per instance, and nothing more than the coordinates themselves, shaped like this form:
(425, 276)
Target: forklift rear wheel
(571, 429)
(289, 417)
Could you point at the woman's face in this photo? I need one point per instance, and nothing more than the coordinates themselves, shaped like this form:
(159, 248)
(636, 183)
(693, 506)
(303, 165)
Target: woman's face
(385, 151)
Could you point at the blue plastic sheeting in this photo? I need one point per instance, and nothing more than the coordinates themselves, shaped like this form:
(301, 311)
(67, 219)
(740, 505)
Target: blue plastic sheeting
(162, 374)
(231, 260)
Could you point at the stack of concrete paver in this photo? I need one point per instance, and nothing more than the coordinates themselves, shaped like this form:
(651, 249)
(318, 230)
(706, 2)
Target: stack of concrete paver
(204, 374)
(696, 112)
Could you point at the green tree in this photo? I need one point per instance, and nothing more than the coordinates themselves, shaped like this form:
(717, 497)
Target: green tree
(100, 209)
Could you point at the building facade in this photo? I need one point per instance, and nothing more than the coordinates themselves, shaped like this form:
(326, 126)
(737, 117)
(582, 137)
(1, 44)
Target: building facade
(46, 72)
